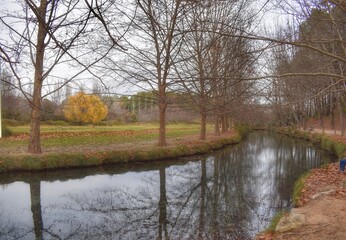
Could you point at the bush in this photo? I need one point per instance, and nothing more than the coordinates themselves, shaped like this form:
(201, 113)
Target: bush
(339, 149)
(84, 108)
(242, 129)
(5, 131)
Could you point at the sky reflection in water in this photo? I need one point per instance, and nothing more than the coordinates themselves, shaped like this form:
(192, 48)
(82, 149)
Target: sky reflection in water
(229, 194)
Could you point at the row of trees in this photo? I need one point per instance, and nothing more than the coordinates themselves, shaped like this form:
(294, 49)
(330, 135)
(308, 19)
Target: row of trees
(311, 82)
(123, 109)
(195, 48)
(205, 50)
(169, 46)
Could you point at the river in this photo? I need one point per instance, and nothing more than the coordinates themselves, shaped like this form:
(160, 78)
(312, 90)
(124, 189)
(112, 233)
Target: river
(228, 194)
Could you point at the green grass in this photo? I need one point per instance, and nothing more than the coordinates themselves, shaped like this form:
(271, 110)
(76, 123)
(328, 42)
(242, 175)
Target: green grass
(85, 141)
(71, 136)
(67, 160)
(275, 221)
(134, 126)
(54, 128)
(297, 190)
(5, 131)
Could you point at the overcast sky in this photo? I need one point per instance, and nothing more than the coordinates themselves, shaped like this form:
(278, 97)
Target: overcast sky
(270, 19)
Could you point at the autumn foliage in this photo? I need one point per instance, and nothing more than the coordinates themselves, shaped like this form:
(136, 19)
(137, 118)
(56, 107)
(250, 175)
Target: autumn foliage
(84, 108)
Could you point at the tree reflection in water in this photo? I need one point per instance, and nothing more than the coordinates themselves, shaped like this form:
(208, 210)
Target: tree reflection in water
(230, 195)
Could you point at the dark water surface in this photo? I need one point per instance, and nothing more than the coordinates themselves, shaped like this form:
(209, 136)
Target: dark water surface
(229, 194)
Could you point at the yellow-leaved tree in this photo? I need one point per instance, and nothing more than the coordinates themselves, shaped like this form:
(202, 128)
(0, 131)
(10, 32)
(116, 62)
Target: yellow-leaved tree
(85, 108)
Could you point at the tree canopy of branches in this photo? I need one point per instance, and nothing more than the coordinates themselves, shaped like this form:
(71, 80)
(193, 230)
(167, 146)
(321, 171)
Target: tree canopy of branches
(181, 46)
(217, 58)
(40, 39)
(313, 66)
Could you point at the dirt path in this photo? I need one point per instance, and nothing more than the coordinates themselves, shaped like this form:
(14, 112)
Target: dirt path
(322, 214)
(324, 219)
(323, 207)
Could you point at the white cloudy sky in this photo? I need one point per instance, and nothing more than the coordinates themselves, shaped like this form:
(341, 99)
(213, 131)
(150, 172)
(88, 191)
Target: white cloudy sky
(270, 20)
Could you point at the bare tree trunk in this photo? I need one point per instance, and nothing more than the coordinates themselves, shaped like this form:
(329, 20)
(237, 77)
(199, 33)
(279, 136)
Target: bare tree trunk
(35, 122)
(332, 120)
(217, 125)
(296, 118)
(224, 126)
(162, 117)
(342, 127)
(203, 110)
(304, 123)
(203, 126)
(321, 122)
(331, 111)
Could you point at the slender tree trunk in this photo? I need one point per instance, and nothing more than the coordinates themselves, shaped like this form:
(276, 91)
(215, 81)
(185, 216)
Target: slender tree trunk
(162, 117)
(304, 123)
(35, 121)
(332, 120)
(296, 118)
(224, 126)
(203, 126)
(342, 127)
(217, 125)
(331, 110)
(321, 122)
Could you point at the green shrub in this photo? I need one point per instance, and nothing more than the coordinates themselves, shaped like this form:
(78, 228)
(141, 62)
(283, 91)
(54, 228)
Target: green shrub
(5, 131)
(339, 149)
(242, 129)
(316, 139)
(327, 144)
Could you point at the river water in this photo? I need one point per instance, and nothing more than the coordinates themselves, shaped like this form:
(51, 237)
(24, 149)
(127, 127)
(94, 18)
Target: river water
(227, 194)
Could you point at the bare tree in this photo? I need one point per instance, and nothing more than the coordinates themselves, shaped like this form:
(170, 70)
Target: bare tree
(157, 36)
(46, 37)
(313, 75)
(216, 57)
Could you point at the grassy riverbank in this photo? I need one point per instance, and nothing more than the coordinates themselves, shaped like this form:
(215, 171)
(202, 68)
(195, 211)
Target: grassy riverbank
(331, 143)
(81, 146)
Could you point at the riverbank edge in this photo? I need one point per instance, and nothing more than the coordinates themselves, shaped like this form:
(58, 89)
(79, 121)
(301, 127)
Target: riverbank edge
(321, 140)
(51, 161)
